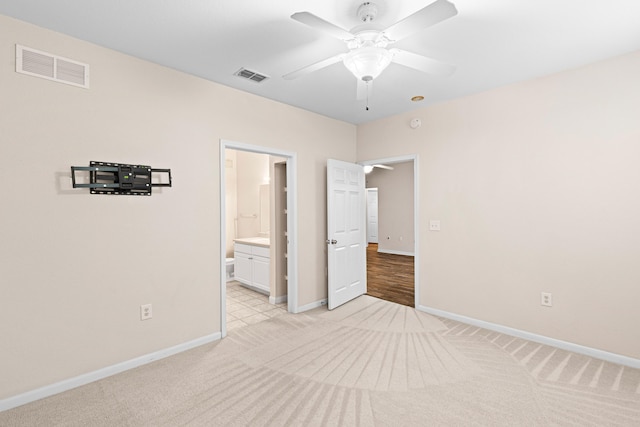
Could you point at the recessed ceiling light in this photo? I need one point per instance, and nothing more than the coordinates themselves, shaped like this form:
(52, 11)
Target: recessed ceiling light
(417, 98)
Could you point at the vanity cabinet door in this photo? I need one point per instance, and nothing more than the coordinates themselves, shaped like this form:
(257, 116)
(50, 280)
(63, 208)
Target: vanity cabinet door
(261, 273)
(243, 266)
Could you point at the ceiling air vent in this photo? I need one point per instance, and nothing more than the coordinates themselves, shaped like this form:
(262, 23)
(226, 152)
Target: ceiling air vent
(51, 67)
(251, 75)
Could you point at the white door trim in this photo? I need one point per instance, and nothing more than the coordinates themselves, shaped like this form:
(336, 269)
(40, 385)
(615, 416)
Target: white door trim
(416, 213)
(292, 224)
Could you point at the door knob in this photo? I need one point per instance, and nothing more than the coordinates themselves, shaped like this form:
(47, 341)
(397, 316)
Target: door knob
(331, 242)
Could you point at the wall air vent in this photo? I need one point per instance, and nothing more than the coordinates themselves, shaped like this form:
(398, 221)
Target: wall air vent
(251, 75)
(51, 67)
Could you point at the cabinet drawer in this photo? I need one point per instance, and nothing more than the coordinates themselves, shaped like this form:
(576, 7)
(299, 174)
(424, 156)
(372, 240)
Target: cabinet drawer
(260, 251)
(239, 247)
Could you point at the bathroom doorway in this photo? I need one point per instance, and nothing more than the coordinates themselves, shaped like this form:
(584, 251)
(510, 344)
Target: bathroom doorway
(258, 218)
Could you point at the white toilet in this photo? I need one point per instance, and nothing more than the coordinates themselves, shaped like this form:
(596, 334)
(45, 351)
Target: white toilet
(230, 272)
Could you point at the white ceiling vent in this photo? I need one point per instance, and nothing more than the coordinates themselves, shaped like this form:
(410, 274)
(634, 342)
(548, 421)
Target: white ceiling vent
(251, 75)
(51, 67)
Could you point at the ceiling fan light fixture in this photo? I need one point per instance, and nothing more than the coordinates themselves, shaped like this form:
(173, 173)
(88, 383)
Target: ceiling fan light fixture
(366, 63)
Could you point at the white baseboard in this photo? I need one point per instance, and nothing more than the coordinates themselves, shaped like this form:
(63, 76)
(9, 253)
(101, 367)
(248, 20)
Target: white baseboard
(312, 305)
(277, 300)
(80, 380)
(392, 252)
(564, 345)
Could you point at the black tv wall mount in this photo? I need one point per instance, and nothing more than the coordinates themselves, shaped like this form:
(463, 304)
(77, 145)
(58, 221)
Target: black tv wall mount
(119, 178)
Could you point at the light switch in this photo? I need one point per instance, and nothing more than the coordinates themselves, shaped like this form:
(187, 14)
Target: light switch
(434, 224)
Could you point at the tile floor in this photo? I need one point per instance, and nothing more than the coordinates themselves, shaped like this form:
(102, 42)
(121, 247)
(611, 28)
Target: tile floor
(246, 307)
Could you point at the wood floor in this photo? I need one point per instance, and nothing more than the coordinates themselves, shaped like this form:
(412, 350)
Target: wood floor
(390, 277)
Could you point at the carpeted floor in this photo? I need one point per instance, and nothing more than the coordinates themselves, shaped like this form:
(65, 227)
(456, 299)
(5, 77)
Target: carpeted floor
(369, 362)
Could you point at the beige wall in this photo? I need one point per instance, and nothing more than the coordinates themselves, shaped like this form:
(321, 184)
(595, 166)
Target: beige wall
(395, 207)
(75, 267)
(537, 186)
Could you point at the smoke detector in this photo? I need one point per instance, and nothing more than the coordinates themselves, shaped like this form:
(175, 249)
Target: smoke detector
(367, 12)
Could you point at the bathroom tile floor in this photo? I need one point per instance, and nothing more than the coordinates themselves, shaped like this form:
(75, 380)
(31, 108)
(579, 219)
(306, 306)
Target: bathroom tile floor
(247, 307)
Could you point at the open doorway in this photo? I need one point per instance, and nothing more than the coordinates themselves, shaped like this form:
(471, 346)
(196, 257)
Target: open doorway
(391, 229)
(257, 205)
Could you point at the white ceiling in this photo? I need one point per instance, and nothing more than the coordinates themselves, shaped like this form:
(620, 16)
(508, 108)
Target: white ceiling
(492, 42)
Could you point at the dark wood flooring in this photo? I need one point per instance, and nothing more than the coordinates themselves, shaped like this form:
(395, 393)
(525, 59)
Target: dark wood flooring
(390, 277)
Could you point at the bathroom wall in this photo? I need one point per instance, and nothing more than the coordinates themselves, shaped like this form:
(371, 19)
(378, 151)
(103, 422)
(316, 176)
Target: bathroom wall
(248, 195)
(252, 171)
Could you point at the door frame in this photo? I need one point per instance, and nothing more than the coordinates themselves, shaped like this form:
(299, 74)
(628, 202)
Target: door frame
(416, 216)
(292, 223)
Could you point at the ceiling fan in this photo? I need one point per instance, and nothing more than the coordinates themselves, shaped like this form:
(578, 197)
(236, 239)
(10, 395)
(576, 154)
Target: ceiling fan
(368, 55)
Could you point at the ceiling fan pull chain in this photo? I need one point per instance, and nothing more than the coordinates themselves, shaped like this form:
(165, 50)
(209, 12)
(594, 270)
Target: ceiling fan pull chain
(368, 83)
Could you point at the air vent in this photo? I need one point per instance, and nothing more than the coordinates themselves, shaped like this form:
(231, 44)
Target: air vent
(51, 67)
(251, 75)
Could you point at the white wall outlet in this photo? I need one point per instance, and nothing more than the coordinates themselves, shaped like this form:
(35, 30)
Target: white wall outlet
(434, 225)
(545, 299)
(146, 312)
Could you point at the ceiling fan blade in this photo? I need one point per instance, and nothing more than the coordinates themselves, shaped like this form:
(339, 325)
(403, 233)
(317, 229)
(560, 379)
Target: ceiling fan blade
(320, 24)
(383, 167)
(422, 63)
(314, 67)
(430, 15)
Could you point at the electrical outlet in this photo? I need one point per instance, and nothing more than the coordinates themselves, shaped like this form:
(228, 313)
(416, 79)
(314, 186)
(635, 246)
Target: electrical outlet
(545, 299)
(146, 312)
(434, 225)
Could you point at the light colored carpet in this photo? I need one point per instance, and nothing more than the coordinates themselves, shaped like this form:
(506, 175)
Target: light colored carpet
(367, 363)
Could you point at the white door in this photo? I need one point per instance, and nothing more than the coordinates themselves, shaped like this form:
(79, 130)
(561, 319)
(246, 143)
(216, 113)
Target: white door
(372, 215)
(346, 240)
